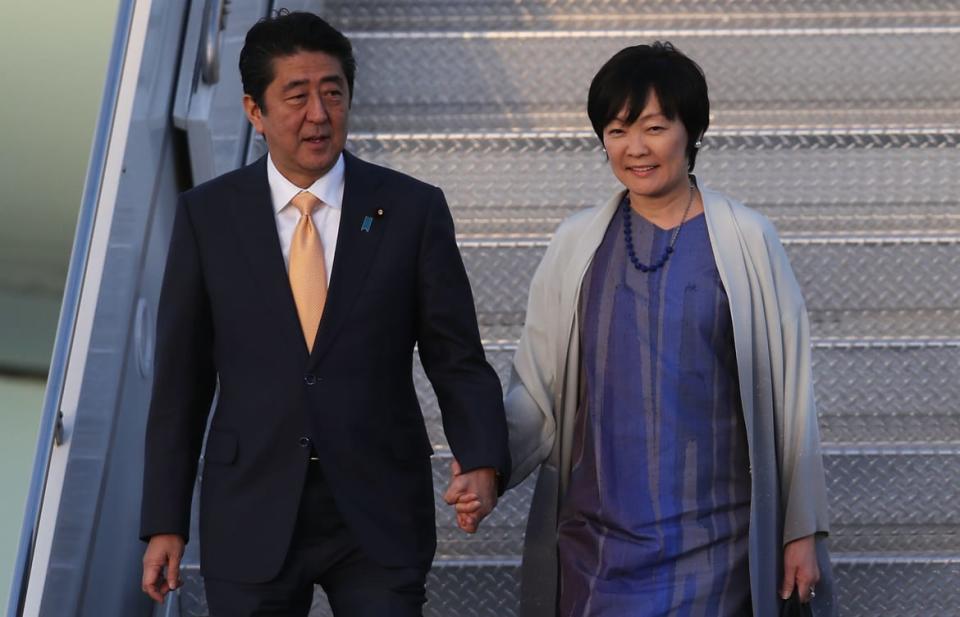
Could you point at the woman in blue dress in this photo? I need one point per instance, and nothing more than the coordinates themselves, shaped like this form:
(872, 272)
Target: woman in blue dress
(663, 378)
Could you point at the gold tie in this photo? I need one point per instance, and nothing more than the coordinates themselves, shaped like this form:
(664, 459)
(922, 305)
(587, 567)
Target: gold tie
(308, 270)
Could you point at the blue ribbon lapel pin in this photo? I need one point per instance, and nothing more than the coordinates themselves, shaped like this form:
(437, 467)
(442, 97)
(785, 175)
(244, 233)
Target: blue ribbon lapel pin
(368, 220)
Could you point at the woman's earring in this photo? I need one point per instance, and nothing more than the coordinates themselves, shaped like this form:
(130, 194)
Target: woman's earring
(697, 144)
(606, 156)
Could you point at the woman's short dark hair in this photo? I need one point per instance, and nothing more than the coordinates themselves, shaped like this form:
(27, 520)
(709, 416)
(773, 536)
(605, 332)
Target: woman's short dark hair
(627, 79)
(286, 33)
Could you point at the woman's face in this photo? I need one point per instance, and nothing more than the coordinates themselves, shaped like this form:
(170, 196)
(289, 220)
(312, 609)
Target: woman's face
(648, 156)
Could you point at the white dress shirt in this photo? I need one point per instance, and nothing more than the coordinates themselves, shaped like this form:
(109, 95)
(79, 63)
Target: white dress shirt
(326, 218)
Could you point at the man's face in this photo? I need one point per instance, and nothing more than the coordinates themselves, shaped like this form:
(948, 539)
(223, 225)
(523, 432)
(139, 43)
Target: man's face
(305, 113)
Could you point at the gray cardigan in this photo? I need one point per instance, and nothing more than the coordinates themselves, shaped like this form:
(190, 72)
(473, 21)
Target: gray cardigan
(772, 339)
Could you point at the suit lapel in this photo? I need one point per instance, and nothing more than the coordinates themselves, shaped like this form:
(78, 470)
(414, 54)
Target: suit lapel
(357, 243)
(255, 225)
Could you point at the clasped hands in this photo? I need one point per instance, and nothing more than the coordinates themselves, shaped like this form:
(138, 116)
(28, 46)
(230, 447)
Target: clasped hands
(472, 494)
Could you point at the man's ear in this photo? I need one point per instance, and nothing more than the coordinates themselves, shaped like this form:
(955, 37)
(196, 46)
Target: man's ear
(254, 113)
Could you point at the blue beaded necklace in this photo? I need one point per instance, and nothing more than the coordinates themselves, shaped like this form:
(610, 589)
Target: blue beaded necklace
(628, 237)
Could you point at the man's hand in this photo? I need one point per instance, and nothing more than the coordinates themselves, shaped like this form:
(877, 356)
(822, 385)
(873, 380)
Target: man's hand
(800, 568)
(472, 494)
(163, 552)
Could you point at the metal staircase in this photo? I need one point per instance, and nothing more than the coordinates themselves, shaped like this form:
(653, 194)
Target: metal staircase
(838, 120)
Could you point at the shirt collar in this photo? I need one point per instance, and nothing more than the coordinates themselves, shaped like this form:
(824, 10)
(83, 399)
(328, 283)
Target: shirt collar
(328, 188)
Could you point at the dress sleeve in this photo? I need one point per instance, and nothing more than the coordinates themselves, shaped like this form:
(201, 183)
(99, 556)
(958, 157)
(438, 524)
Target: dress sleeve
(530, 396)
(803, 487)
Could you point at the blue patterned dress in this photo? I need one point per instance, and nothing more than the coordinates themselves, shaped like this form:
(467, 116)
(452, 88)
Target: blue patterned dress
(656, 517)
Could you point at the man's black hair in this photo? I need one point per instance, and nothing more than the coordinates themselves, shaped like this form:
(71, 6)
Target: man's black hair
(284, 34)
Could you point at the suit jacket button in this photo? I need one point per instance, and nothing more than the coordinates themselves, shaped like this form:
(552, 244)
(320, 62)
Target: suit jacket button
(304, 442)
(309, 379)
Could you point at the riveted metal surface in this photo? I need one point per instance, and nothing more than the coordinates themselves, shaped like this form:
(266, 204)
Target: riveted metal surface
(905, 486)
(885, 497)
(874, 325)
(839, 184)
(829, 168)
(840, 276)
(463, 588)
(851, 326)
(413, 15)
(898, 394)
(837, 119)
(420, 118)
(894, 498)
(888, 395)
(193, 600)
(746, 70)
(923, 587)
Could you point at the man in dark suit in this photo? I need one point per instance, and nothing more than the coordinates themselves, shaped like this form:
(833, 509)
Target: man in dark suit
(300, 284)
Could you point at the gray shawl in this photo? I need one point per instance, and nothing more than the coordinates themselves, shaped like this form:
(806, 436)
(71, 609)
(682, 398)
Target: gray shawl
(772, 339)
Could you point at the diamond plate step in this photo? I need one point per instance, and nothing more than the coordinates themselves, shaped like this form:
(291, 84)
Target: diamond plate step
(851, 327)
(550, 71)
(867, 392)
(894, 499)
(836, 274)
(918, 586)
(390, 119)
(506, 185)
(454, 588)
(419, 15)
(428, 118)
(882, 499)
(845, 220)
(838, 119)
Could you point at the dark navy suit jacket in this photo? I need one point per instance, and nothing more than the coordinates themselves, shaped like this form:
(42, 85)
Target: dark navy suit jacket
(227, 313)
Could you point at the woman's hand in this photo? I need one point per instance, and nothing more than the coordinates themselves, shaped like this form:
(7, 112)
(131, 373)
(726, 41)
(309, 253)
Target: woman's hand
(800, 568)
(473, 494)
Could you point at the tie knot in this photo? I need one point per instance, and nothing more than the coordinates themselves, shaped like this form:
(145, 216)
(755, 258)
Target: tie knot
(305, 202)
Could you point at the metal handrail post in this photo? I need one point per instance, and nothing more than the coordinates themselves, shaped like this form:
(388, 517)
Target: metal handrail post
(49, 420)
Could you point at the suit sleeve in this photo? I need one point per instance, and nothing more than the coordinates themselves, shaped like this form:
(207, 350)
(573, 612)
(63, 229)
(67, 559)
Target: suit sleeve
(183, 387)
(467, 388)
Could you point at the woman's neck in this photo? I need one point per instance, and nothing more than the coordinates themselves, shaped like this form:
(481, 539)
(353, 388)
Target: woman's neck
(667, 211)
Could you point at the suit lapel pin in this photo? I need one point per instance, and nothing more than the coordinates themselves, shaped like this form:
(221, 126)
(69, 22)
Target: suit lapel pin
(368, 220)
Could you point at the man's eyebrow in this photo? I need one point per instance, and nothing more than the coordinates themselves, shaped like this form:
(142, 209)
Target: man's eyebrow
(296, 83)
